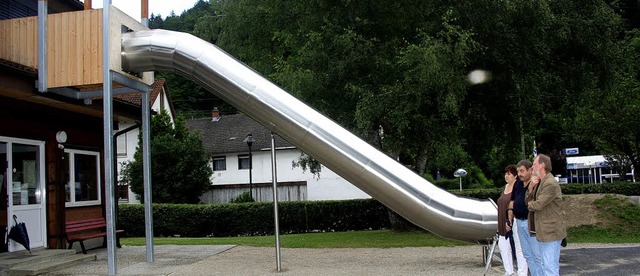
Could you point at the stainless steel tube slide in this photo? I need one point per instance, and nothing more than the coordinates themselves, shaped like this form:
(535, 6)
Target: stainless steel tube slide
(372, 171)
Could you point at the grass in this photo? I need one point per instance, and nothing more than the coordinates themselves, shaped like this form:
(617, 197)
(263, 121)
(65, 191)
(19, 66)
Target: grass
(623, 226)
(354, 239)
(594, 234)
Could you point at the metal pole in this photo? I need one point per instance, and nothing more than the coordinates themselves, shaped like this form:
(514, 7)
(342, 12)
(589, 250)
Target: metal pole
(146, 164)
(276, 220)
(146, 154)
(108, 139)
(42, 46)
(460, 183)
(599, 175)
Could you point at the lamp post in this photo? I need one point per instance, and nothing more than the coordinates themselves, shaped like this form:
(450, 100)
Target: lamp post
(249, 140)
(459, 173)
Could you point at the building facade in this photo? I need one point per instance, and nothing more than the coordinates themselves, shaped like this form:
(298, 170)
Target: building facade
(224, 137)
(52, 151)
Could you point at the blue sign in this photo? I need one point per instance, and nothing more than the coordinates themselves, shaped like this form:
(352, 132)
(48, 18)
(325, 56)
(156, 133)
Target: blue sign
(571, 151)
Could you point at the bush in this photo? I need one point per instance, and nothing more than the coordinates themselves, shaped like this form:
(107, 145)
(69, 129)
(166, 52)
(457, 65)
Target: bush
(621, 188)
(256, 218)
(244, 219)
(244, 197)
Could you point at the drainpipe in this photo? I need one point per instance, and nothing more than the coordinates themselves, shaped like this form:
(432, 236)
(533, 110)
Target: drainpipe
(42, 46)
(115, 165)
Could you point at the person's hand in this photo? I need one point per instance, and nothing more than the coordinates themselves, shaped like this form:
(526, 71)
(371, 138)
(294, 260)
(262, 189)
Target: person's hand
(508, 226)
(534, 181)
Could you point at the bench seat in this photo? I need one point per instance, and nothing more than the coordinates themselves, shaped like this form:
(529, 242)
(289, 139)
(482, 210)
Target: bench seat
(79, 231)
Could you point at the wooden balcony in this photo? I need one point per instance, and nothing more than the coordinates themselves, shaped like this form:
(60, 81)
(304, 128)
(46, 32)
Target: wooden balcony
(74, 46)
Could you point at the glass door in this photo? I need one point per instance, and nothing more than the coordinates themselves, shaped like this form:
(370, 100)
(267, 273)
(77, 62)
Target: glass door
(24, 178)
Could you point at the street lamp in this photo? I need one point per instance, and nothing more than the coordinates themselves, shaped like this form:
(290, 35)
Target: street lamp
(249, 140)
(459, 173)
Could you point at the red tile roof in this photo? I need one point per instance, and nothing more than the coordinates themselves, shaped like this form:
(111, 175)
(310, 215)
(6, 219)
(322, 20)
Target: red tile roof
(136, 98)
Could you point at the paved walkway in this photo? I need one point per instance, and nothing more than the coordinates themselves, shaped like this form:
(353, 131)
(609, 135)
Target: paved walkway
(576, 259)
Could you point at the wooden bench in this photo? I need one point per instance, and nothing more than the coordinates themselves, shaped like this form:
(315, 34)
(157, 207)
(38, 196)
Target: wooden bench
(81, 230)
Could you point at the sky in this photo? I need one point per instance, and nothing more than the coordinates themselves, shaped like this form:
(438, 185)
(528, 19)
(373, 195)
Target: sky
(161, 7)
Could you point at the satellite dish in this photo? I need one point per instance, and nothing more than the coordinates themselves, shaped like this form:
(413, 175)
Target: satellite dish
(460, 173)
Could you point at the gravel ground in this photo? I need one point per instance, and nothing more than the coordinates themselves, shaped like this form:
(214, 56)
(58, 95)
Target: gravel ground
(244, 260)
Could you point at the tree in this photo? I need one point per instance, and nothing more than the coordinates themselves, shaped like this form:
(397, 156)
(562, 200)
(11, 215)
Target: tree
(180, 171)
(611, 118)
(397, 69)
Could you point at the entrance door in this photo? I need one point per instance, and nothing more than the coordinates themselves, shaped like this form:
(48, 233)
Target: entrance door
(23, 180)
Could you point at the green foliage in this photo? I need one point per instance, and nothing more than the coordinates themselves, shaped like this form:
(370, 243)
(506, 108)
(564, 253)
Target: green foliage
(621, 188)
(243, 198)
(246, 219)
(625, 213)
(610, 119)
(623, 226)
(249, 219)
(598, 234)
(180, 170)
(488, 193)
(562, 72)
(307, 162)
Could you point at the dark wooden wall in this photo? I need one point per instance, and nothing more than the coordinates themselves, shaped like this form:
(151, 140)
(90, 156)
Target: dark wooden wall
(26, 120)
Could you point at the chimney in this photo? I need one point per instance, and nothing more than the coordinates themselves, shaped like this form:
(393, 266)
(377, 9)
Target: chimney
(215, 114)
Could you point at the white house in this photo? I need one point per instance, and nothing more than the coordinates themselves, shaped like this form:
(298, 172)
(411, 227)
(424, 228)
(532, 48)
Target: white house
(126, 135)
(224, 137)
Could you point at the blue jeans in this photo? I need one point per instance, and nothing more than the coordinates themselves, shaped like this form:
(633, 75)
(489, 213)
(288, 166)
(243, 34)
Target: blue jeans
(530, 247)
(550, 257)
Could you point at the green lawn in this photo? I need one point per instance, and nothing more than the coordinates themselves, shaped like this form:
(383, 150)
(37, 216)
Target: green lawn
(355, 239)
(601, 235)
(374, 239)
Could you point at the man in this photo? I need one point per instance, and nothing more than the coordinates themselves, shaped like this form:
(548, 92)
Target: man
(520, 212)
(546, 204)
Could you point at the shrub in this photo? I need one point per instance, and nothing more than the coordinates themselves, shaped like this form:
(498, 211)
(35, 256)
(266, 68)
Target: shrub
(244, 197)
(256, 218)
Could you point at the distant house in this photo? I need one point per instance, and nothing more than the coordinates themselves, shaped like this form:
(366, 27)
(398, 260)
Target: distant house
(593, 169)
(224, 138)
(126, 134)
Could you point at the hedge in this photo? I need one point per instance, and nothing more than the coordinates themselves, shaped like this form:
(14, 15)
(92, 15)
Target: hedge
(256, 218)
(621, 188)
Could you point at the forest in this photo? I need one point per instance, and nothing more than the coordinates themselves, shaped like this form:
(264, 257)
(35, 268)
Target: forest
(561, 74)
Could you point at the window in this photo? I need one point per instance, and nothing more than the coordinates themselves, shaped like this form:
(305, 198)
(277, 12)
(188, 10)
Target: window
(121, 141)
(25, 158)
(83, 170)
(243, 162)
(219, 163)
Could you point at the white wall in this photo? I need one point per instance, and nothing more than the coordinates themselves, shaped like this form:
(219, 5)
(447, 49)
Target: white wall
(131, 139)
(329, 186)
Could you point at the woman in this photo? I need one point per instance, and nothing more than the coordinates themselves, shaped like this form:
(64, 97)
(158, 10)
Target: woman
(504, 224)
